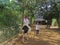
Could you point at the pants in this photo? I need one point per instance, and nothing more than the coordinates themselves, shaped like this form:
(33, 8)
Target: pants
(37, 31)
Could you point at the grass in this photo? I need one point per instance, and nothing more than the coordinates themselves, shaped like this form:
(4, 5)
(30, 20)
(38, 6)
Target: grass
(7, 34)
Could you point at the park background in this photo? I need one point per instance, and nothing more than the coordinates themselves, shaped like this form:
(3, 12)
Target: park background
(12, 13)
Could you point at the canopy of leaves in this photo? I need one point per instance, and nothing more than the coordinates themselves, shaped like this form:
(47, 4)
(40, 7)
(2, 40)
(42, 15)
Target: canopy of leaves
(10, 13)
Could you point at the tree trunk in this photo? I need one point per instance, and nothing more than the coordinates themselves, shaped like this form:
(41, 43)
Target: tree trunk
(23, 7)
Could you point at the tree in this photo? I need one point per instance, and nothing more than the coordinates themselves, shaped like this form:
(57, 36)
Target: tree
(12, 10)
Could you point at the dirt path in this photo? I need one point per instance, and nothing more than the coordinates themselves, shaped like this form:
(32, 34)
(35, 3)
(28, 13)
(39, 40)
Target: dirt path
(46, 37)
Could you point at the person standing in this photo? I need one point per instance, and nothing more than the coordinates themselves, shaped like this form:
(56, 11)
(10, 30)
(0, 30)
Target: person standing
(26, 28)
(37, 28)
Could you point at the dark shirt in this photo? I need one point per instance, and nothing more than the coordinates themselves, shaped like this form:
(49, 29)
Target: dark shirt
(25, 28)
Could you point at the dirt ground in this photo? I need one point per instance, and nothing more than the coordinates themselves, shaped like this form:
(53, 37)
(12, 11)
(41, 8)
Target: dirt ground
(45, 37)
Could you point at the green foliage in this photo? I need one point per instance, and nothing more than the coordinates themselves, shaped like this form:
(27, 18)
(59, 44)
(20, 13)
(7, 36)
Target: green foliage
(9, 12)
(10, 18)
